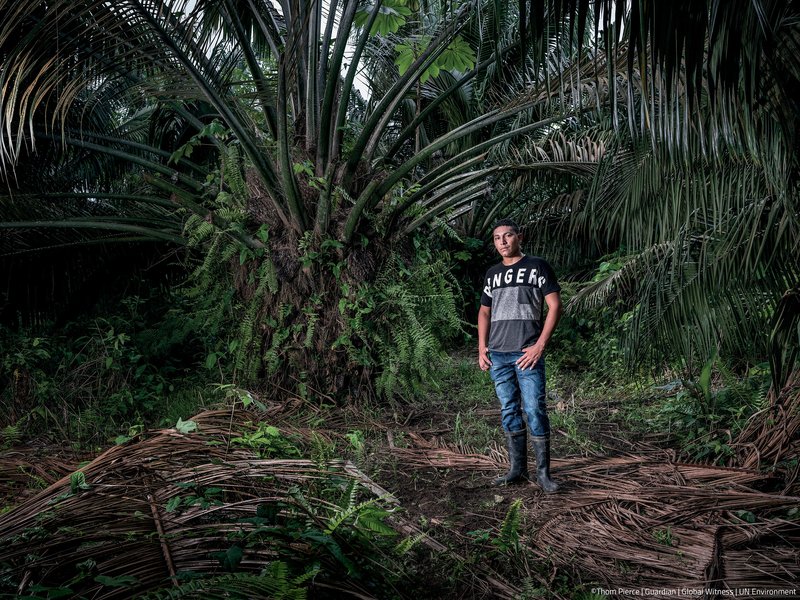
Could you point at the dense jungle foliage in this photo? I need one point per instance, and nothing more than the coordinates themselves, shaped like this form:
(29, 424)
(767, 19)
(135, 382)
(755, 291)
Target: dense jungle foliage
(245, 201)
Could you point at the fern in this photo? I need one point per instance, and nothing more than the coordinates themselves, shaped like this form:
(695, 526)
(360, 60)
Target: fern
(346, 509)
(203, 275)
(213, 288)
(419, 314)
(271, 275)
(373, 518)
(508, 536)
(312, 323)
(197, 230)
(407, 544)
(307, 576)
(235, 173)
(247, 355)
(245, 337)
(10, 435)
(273, 582)
(280, 333)
(229, 250)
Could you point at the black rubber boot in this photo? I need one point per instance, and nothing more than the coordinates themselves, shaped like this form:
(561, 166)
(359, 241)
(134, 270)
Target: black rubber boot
(518, 453)
(541, 445)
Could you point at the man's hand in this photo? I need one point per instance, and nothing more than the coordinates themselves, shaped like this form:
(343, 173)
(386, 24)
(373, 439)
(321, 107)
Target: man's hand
(483, 359)
(484, 323)
(530, 356)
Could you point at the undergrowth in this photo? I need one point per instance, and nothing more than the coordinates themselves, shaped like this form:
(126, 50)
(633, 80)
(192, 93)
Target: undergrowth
(100, 375)
(325, 536)
(702, 417)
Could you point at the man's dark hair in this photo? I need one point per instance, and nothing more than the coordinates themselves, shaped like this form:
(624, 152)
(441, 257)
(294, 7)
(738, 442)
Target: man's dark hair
(507, 223)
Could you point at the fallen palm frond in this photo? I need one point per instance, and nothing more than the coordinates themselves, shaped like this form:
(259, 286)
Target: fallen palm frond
(196, 514)
(25, 468)
(773, 434)
(141, 514)
(170, 505)
(443, 458)
(648, 522)
(644, 520)
(623, 543)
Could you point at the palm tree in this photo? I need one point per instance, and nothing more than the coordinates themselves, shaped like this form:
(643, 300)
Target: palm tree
(244, 116)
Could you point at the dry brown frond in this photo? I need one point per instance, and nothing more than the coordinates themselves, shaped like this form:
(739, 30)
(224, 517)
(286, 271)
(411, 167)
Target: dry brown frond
(644, 520)
(122, 522)
(773, 434)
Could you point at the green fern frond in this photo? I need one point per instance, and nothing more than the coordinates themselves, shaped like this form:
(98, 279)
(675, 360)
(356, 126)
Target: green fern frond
(246, 359)
(10, 435)
(310, 327)
(420, 303)
(197, 230)
(407, 544)
(508, 536)
(273, 583)
(373, 519)
(365, 514)
(229, 250)
(270, 275)
(349, 509)
(233, 172)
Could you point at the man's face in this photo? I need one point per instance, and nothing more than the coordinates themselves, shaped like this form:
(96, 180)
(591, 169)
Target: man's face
(506, 241)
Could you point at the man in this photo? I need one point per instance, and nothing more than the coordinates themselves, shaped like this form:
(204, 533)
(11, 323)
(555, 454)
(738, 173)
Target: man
(512, 336)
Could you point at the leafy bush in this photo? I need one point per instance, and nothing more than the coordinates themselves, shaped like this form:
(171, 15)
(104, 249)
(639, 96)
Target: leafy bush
(588, 342)
(97, 375)
(417, 315)
(705, 418)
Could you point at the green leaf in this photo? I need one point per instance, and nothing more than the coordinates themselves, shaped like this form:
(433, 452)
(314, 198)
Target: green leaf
(303, 167)
(705, 377)
(173, 504)
(230, 559)
(263, 233)
(745, 515)
(268, 512)
(327, 542)
(77, 482)
(391, 17)
(458, 56)
(185, 150)
(408, 53)
(185, 426)
(49, 592)
(331, 244)
(120, 581)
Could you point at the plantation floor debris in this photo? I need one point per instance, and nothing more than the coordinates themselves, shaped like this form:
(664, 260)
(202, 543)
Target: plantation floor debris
(637, 522)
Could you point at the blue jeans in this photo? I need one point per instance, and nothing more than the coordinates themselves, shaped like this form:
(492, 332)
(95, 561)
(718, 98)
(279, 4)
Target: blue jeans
(520, 390)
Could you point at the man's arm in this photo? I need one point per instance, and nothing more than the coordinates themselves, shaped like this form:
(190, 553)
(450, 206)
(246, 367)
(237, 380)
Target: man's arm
(484, 321)
(532, 354)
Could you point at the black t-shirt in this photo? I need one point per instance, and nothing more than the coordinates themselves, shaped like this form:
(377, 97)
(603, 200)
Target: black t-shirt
(516, 296)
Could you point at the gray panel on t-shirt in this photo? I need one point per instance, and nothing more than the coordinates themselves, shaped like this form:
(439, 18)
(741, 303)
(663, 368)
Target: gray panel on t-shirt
(506, 305)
